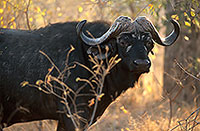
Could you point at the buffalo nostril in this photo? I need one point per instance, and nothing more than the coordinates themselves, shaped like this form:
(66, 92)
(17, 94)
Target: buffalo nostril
(141, 62)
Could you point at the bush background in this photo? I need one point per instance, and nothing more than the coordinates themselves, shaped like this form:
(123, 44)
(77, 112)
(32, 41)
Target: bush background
(162, 97)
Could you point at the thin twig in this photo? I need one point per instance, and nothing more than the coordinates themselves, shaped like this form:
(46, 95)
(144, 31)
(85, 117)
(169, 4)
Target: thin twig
(190, 74)
(26, 14)
(188, 121)
(143, 9)
(50, 61)
(97, 99)
(170, 116)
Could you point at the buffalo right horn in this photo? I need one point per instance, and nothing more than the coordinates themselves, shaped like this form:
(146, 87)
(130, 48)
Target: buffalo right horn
(122, 23)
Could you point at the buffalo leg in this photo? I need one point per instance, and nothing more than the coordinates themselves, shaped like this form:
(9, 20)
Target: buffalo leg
(1, 117)
(60, 127)
(65, 124)
(64, 127)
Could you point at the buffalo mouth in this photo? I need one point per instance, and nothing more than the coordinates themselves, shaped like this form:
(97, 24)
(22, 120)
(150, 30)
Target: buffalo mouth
(140, 71)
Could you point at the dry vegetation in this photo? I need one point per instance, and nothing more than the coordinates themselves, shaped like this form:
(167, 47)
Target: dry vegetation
(146, 106)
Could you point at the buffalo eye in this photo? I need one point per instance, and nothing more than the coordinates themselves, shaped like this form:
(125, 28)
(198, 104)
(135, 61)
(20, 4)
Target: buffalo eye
(149, 45)
(123, 42)
(124, 39)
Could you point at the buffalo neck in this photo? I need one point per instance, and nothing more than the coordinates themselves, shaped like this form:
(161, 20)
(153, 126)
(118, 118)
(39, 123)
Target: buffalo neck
(119, 80)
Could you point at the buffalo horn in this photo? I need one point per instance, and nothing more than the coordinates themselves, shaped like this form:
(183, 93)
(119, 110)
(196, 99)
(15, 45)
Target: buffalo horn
(122, 23)
(146, 25)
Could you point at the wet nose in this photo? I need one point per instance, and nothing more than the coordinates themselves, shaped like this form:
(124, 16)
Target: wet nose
(142, 63)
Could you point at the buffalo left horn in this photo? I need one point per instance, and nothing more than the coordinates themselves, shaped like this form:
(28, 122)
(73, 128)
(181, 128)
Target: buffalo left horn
(122, 23)
(142, 23)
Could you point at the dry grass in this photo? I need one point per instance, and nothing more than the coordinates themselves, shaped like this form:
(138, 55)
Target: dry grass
(131, 111)
(137, 116)
(117, 118)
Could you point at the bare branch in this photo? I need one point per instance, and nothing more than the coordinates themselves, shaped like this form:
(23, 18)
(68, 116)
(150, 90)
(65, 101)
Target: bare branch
(26, 14)
(143, 9)
(188, 73)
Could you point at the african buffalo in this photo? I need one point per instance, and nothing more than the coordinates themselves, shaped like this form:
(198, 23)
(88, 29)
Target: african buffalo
(20, 61)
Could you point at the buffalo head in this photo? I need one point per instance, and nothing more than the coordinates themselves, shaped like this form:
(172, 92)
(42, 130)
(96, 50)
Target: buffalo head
(133, 41)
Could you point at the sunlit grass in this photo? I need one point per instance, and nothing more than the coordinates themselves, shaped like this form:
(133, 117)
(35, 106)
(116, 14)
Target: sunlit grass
(140, 116)
(134, 110)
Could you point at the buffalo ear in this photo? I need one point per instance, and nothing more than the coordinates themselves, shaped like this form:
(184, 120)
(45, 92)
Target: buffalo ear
(101, 52)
